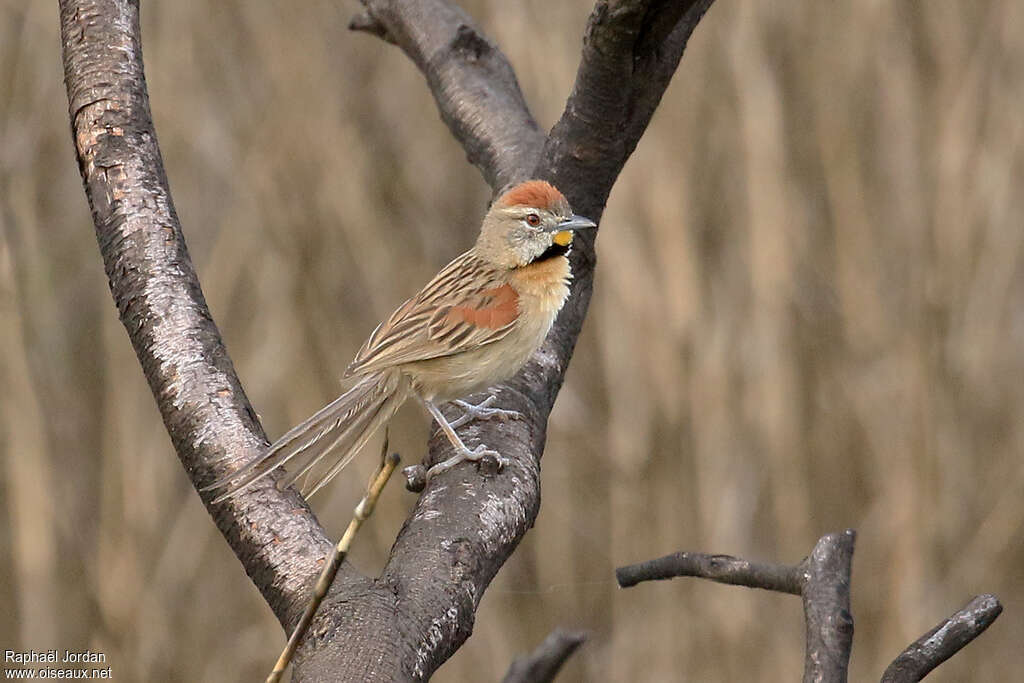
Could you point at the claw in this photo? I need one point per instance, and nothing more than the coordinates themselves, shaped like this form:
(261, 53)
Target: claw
(462, 452)
(482, 411)
(475, 455)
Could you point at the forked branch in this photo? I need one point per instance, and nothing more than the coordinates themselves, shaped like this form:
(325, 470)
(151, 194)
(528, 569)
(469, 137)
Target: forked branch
(409, 620)
(476, 89)
(822, 580)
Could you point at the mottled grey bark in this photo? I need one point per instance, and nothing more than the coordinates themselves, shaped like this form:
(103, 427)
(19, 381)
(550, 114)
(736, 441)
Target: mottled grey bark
(409, 620)
(209, 419)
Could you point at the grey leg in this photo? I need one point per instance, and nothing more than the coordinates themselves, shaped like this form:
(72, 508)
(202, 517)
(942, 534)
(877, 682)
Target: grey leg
(462, 452)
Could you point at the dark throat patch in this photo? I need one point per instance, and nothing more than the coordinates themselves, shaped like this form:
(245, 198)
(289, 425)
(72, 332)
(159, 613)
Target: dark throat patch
(551, 252)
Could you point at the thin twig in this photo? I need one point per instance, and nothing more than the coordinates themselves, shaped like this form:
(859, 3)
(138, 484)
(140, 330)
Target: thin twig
(943, 641)
(323, 583)
(720, 568)
(543, 663)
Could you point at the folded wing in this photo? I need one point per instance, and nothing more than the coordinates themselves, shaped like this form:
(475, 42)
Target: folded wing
(467, 305)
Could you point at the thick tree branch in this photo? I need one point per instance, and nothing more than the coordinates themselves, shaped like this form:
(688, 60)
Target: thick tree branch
(543, 664)
(464, 527)
(631, 49)
(474, 85)
(943, 641)
(404, 624)
(156, 291)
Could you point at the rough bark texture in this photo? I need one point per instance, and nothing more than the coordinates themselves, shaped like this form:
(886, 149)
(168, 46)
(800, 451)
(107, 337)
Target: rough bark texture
(210, 421)
(407, 622)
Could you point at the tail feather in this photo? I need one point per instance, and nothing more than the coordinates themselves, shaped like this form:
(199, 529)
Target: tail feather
(383, 414)
(342, 426)
(341, 433)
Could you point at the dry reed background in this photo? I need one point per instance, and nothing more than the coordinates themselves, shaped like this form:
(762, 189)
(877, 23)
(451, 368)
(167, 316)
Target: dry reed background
(808, 316)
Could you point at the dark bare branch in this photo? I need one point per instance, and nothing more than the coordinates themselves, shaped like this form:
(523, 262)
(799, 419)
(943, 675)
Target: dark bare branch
(364, 22)
(406, 623)
(826, 598)
(630, 52)
(156, 291)
(822, 579)
(543, 664)
(720, 568)
(474, 85)
(660, 47)
(944, 641)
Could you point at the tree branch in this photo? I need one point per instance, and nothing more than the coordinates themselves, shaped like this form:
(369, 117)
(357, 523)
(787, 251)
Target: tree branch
(826, 598)
(543, 664)
(211, 424)
(475, 87)
(631, 49)
(464, 527)
(407, 622)
(943, 641)
(822, 579)
(720, 568)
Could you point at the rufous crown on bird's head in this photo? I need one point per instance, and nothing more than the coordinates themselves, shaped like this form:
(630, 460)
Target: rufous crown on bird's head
(539, 194)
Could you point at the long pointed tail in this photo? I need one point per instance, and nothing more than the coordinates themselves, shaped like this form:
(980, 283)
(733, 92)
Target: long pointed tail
(340, 428)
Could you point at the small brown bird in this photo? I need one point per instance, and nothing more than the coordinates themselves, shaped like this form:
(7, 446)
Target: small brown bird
(475, 324)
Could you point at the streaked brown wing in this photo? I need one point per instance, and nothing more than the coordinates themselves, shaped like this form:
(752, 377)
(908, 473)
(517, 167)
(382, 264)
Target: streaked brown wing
(467, 305)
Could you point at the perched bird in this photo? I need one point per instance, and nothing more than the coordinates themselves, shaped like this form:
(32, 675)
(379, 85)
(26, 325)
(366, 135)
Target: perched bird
(475, 324)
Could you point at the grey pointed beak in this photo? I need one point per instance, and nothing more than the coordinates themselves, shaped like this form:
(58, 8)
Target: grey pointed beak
(575, 222)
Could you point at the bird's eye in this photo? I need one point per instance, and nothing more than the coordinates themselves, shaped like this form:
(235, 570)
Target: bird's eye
(533, 220)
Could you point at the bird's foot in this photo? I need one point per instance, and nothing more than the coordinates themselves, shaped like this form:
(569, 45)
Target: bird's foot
(482, 411)
(481, 454)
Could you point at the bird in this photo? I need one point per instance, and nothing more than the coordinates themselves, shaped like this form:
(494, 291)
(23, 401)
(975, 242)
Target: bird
(475, 324)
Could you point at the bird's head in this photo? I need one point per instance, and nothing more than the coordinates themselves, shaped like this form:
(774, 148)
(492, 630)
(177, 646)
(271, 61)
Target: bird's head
(529, 223)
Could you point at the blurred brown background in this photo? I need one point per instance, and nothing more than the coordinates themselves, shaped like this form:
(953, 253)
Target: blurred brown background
(809, 315)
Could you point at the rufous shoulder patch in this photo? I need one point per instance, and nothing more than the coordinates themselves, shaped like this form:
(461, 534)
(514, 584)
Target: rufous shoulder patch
(535, 193)
(497, 308)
